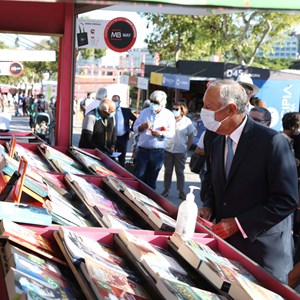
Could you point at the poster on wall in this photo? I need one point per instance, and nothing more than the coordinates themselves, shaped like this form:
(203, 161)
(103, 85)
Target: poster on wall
(90, 33)
(280, 96)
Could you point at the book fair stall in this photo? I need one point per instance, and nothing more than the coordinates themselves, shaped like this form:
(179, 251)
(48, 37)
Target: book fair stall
(79, 226)
(76, 225)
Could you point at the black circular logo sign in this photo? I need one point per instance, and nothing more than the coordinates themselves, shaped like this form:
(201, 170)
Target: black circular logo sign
(120, 34)
(16, 69)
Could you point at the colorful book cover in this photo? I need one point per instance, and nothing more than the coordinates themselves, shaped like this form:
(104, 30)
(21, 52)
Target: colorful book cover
(175, 289)
(33, 159)
(91, 194)
(14, 255)
(162, 220)
(101, 274)
(23, 235)
(18, 282)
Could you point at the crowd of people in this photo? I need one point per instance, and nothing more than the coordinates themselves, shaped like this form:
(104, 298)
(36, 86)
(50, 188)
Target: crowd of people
(249, 183)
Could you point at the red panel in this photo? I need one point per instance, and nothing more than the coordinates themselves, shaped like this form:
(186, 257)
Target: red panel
(64, 111)
(32, 17)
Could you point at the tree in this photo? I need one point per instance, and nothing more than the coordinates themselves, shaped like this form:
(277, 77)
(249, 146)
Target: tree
(235, 37)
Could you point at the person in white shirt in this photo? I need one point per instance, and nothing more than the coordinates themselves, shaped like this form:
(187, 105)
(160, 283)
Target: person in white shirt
(124, 119)
(154, 125)
(177, 148)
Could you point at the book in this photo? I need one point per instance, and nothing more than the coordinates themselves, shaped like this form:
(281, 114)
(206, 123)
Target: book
(145, 203)
(25, 213)
(218, 270)
(245, 289)
(101, 170)
(33, 159)
(19, 283)
(137, 246)
(174, 289)
(62, 209)
(113, 221)
(14, 255)
(105, 282)
(176, 239)
(90, 193)
(78, 247)
(29, 239)
(162, 220)
(60, 161)
(115, 183)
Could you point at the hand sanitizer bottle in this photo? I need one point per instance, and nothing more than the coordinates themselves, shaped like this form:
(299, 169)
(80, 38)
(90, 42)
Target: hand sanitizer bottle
(187, 216)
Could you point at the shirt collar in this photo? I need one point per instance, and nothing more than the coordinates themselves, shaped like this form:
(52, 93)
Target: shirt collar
(236, 134)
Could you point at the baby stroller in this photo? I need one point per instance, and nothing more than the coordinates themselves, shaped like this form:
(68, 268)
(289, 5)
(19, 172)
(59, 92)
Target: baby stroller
(42, 126)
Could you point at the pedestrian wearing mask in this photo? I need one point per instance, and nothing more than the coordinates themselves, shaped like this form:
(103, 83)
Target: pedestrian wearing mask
(253, 190)
(98, 128)
(177, 148)
(124, 119)
(154, 125)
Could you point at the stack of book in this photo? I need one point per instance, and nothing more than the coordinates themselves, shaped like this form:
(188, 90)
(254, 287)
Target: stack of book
(220, 271)
(91, 162)
(169, 278)
(35, 277)
(100, 271)
(153, 213)
(111, 214)
(61, 162)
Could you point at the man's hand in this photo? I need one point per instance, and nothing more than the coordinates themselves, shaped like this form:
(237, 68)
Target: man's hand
(225, 228)
(145, 126)
(156, 133)
(205, 213)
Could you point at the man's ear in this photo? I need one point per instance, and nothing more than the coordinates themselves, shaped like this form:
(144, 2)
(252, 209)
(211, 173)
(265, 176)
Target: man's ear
(232, 109)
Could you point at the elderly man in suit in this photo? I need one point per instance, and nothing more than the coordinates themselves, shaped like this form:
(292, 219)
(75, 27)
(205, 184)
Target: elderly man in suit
(123, 127)
(254, 187)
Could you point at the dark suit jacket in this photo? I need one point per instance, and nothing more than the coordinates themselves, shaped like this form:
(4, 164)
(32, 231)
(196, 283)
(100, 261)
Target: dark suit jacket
(261, 191)
(128, 115)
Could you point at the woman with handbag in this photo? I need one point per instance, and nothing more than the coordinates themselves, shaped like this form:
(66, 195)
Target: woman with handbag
(177, 148)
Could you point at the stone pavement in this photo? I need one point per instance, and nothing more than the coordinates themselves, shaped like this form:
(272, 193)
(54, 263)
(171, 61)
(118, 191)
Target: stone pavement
(21, 124)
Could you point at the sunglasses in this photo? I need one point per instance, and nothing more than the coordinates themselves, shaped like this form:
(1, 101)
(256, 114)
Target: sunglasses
(175, 108)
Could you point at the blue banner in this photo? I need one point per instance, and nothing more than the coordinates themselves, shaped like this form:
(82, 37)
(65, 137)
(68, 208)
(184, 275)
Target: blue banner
(280, 96)
(169, 80)
(182, 82)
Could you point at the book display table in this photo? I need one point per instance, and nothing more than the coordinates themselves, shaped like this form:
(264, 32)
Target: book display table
(102, 205)
(111, 238)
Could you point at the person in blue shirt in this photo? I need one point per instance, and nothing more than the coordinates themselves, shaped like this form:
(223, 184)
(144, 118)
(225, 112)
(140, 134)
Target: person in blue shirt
(154, 125)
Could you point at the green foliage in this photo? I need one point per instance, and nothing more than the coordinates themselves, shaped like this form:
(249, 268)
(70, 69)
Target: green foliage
(273, 63)
(87, 53)
(34, 71)
(236, 37)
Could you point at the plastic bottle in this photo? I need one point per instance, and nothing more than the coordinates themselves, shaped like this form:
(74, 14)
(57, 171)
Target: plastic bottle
(187, 216)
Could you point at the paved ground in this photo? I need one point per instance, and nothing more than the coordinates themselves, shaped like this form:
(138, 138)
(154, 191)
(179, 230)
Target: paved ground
(21, 123)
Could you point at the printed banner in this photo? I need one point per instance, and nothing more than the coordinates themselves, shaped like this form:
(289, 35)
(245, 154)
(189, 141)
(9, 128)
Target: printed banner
(90, 33)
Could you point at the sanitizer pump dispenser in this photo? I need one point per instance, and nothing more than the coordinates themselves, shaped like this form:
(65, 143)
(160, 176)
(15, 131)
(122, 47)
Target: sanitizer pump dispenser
(187, 216)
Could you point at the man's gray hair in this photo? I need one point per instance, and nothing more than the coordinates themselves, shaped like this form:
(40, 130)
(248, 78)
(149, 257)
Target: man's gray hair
(232, 92)
(101, 94)
(160, 97)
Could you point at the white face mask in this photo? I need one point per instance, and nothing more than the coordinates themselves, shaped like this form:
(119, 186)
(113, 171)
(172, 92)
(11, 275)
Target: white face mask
(208, 119)
(154, 107)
